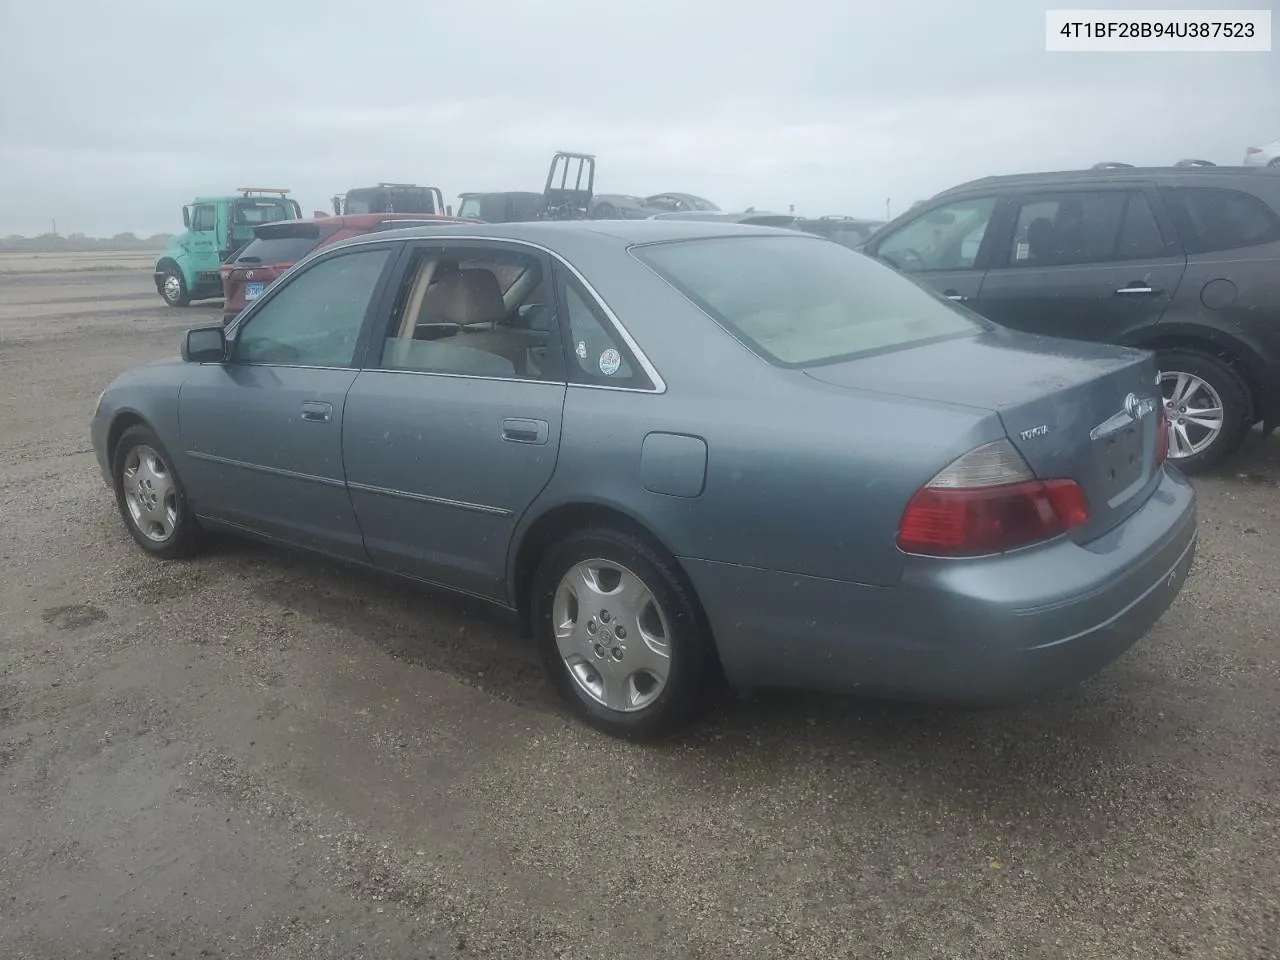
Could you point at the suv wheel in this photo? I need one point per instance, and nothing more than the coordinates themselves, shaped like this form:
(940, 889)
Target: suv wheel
(1208, 408)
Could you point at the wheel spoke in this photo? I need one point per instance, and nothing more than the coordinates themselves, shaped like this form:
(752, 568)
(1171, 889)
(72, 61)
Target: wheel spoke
(644, 654)
(619, 693)
(1208, 417)
(1180, 387)
(1184, 445)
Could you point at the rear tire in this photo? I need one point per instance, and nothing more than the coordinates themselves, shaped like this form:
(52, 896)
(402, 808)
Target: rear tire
(1192, 381)
(621, 636)
(173, 288)
(604, 211)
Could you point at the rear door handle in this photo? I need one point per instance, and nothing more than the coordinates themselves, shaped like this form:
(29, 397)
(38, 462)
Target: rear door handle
(954, 295)
(1136, 288)
(317, 411)
(517, 430)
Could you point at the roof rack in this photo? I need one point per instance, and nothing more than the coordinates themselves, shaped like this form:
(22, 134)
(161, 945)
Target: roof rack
(248, 190)
(384, 183)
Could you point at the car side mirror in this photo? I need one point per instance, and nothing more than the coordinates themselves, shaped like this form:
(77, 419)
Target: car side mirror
(205, 345)
(186, 217)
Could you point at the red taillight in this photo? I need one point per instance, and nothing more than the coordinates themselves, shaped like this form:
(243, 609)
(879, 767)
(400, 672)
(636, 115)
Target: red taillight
(987, 502)
(1252, 150)
(1162, 434)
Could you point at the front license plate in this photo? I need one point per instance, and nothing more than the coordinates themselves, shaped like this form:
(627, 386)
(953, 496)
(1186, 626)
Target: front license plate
(252, 291)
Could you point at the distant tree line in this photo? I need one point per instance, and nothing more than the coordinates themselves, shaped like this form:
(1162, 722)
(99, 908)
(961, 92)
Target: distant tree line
(79, 243)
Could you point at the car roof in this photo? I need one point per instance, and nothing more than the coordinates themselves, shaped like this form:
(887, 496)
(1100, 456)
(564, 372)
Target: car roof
(559, 235)
(1167, 175)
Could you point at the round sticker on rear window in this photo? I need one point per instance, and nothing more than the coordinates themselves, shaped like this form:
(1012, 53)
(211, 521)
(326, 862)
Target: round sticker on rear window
(610, 361)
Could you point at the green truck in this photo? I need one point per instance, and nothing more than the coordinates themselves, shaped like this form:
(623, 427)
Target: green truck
(217, 227)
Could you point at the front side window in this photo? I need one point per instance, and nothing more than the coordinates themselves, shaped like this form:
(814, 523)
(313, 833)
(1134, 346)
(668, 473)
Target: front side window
(1209, 219)
(473, 312)
(314, 318)
(947, 238)
(205, 217)
(470, 207)
(1084, 227)
(799, 301)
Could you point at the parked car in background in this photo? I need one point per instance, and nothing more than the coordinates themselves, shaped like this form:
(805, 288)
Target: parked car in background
(1267, 155)
(566, 194)
(617, 206)
(217, 227)
(278, 246)
(391, 198)
(1180, 260)
(674, 450)
(508, 206)
(847, 231)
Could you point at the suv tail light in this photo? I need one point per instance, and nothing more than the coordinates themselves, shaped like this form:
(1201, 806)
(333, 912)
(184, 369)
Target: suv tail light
(1162, 437)
(1252, 150)
(988, 501)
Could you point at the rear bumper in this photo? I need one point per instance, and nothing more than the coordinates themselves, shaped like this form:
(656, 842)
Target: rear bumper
(992, 630)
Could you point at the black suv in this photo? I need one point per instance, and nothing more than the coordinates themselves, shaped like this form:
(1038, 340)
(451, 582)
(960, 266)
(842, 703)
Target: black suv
(1184, 261)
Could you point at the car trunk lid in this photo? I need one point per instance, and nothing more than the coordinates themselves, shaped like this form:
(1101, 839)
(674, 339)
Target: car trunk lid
(1080, 411)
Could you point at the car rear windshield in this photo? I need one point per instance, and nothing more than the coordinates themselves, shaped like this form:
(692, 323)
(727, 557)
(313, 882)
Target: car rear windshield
(802, 301)
(277, 250)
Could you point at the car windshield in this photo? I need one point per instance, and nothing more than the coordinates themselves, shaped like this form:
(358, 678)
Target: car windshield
(800, 301)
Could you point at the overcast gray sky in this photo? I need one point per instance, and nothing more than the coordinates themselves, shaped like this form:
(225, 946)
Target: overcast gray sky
(113, 114)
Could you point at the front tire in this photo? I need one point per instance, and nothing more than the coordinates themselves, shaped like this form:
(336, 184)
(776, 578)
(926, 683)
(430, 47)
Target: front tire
(173, 288)
(620, 634)
(1208, 407)
(151, 497)
(604, 211)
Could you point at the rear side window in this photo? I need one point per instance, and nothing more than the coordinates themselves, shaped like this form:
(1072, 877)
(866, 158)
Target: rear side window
(1082, 227)
(597, 354)
(277, 250)
(1210, 219)
(801, 300)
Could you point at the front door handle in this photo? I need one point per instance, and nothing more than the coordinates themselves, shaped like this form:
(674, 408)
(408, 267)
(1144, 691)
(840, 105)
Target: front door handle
(954, 295)
(1136, 288)
(518, 430)
(317, 411)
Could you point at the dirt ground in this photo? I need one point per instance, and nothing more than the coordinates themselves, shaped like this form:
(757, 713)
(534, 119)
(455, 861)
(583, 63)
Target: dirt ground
(259, 755)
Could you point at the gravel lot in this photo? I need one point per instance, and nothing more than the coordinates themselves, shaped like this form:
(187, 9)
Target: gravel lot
(260, 755)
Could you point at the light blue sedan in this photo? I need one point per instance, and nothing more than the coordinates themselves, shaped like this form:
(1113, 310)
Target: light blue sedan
(679, 451)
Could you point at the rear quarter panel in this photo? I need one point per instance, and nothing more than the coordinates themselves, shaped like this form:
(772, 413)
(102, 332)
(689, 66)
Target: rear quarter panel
(800, 476)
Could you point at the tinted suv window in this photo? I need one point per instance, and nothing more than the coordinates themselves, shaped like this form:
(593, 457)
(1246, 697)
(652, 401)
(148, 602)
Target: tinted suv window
(947, 238)
(1210, 219)
(803, 300)
(1081, 227)
(314, 319)
(278, 250)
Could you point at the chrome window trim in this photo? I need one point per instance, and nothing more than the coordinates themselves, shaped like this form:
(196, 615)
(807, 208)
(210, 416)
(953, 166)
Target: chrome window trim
(659, 384)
